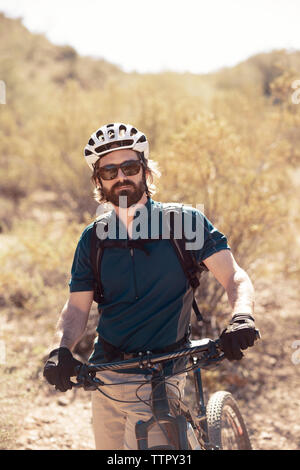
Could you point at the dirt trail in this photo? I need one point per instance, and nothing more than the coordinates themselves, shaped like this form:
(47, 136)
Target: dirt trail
(61, 422)
(271, 403)
(266, 385)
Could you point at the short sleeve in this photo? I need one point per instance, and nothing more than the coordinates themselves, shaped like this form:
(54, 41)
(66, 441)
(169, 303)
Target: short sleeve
(82, 276)
(210, 239)
(214, 240)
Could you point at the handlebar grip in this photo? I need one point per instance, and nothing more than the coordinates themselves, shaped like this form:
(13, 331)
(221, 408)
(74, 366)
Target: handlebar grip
(76, 372)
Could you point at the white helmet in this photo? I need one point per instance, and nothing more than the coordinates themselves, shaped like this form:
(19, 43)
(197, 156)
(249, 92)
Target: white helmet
(125, 135)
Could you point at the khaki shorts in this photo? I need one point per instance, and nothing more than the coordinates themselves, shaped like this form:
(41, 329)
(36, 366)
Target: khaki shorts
(114, 422)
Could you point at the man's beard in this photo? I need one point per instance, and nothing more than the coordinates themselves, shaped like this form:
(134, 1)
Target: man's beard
(125, 197)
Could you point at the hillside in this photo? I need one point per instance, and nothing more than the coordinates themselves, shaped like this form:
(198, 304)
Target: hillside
(39, 61)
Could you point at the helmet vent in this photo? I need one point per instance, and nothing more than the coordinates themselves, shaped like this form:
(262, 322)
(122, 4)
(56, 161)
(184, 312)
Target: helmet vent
(107, 147)
(111, 134)
(122, 130)
(133, 131)
(100, 135)
(91, 142)
(87, 152)
(126, 143)
(142, 139)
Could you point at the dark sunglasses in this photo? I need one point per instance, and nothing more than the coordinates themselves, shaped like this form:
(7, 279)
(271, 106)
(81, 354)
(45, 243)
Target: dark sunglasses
(129, 168)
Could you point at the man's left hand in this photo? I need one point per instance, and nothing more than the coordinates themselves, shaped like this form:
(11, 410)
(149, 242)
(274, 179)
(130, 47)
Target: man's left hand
(240, 334)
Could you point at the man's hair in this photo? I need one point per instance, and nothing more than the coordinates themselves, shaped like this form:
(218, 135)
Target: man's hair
(150, 173)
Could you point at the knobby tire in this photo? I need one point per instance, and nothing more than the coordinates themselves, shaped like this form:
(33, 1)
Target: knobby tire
(226, 427)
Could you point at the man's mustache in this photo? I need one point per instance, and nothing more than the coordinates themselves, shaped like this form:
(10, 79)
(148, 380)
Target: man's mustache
(127, 183)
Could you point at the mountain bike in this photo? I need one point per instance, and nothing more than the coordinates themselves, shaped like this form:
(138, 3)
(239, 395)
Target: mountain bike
(216, 426)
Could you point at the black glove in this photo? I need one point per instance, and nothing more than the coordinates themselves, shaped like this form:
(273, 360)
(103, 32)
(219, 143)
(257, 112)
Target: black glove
(60, 367)
(240, 334)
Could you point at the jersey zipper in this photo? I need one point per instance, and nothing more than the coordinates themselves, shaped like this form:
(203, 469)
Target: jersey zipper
(133, 267)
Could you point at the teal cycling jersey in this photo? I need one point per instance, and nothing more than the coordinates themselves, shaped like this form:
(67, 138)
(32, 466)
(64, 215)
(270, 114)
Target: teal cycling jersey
(147, 297)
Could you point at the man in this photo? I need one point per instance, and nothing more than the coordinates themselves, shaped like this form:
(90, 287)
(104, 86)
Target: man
(146, 299)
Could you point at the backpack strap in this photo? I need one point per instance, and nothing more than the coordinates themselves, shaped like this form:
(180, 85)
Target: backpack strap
(96, 254)
(190, 266)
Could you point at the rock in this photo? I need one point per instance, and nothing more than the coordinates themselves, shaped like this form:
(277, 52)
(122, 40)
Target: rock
(265, 435)
(62, 401)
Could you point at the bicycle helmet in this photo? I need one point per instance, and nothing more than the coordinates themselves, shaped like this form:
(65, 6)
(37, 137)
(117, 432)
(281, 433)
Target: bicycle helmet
(124, 135)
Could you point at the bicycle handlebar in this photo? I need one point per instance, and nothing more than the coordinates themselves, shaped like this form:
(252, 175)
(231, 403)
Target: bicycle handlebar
(148, 359)
(211, 350)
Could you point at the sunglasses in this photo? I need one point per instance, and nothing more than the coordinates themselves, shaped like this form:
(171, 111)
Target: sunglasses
(129, 168)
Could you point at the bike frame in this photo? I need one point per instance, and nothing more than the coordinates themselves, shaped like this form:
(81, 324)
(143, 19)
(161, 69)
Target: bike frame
(176, 426)
(161, 415)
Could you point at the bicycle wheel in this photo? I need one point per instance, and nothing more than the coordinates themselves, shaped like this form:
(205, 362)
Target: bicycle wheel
(226, 427)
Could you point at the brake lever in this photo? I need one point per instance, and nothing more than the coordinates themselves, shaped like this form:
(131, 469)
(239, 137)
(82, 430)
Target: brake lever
(85, 380)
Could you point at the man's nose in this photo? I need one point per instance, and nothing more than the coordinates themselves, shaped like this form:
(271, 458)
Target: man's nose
(120, 174)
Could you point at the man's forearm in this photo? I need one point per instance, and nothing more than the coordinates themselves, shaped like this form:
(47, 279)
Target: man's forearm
(240, 293)
(71, 326)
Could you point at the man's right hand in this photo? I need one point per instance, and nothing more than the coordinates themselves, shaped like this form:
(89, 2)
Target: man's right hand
(59, 367)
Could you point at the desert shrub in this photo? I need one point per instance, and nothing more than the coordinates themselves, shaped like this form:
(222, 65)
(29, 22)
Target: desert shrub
(36, 262)
(209, 163)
